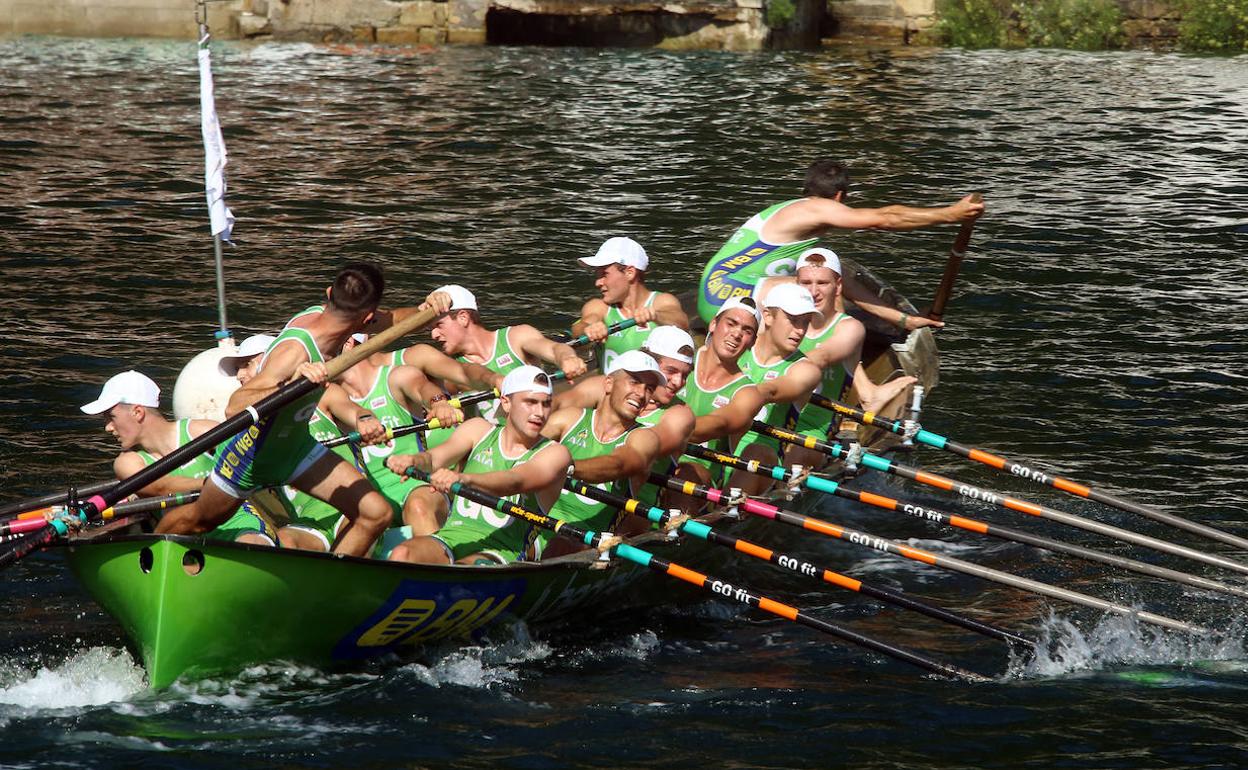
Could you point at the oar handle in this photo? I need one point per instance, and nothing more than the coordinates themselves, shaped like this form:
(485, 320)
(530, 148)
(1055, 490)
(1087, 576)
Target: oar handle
(583, 339)
(953, 265)
(18, 507)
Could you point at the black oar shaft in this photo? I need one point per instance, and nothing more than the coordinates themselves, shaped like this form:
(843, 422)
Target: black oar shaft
(1004, 533)
(795, 564)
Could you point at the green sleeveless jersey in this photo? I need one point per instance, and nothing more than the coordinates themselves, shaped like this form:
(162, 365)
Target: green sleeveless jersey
(583, 443)
(473, 528)
(502, 359)
(197, 468)
(744, 260)
(779, 415)
(703, 402)
(623, 341)
(380, 401)
(816, 419)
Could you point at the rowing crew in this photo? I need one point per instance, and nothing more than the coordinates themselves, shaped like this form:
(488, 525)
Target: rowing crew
(610, 430)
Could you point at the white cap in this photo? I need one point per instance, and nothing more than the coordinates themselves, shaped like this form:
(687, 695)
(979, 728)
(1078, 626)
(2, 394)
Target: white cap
(792, 299)
(461, 298)
(741, 303)
(670, 342)
(359, 338)
(636, 362)
(818, 257)
(526, 378)
(252, 346)
(125, 388)
(618, 251)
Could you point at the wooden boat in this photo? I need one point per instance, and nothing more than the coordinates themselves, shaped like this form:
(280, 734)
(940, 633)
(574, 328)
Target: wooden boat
(193, 607)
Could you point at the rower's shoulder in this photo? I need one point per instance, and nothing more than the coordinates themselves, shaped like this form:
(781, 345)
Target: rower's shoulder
(127, 464)
(197, 428)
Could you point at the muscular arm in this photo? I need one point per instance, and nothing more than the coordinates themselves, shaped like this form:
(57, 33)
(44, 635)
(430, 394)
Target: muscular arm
(437, 365)
(794, 387)
(815, 215)
(637, 454)
(540, 471)
(844, 346)
(731, 419)
(279, 369)
(592, 312)
(674, 429)
(534, 346)
(584, 395)
(668, 312)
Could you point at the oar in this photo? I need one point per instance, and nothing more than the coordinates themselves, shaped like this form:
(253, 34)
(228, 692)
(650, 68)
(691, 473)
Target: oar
(953, 266)
(270, 404)
(794, 564)
(142, 505)
(984, 528)
(1019, 470)
(456, 402)
(722, 588)
(40, 503)
(867, 540)
(583, 339)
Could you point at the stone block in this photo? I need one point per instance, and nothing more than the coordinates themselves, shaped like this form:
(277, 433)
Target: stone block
(251, 25)
(364, 33)
(466, 36)
(348, 13)
(467, 14)
(750, 4)
(431, 36)
(418, 14)
(398, 35)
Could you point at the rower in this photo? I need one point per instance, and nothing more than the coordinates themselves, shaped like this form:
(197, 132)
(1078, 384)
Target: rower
(769, 243)
(667, 415)
(834, 344)
(608, 447)
(620, 267)
(278, 448)
(245, 363)
(132, 400)
(511, 460)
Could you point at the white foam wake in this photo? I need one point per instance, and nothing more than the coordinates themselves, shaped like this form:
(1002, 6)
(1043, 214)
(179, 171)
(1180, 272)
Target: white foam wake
(89, 677)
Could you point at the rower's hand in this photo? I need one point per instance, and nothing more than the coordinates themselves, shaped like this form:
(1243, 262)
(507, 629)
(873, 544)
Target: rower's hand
(597, 331)
(400, 463)
(967, 210)
(443, 478)
(370, 429)
(439, 301)
(643, 315)
(572, 367)
(919, 322)
(444, 413)
(313, 372)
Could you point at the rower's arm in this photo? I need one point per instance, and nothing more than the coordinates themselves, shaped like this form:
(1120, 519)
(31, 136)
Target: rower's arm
(592, 312)
(337, 404)
(446, 454)
(843, 347)
(794, 387)
(674, 429)
(129, 463)
(637, 454)
(383, 319)
(437, 365)
(668, 312)
(533, 345)
(540, 471)
(821, 213)
(731, 419)
(584, 395)
(279, 368)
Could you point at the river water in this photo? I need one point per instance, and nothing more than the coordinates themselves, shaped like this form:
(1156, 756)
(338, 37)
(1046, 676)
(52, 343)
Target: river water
(1098, 329)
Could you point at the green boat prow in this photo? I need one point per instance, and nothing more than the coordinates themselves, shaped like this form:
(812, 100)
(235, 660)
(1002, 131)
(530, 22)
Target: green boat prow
(194, 608)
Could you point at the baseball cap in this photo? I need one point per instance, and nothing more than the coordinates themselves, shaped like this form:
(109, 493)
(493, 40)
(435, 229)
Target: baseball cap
(636, 362)
(252, 346)
(129, 387)
(621, 251)
(461, 298)
(819, 257)
(670, 342)
(792, 299)
(741, 303)
(525, 378)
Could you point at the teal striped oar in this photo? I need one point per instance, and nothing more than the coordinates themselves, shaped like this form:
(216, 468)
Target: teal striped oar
(583, 339)
(1021, 471)
(613, 544)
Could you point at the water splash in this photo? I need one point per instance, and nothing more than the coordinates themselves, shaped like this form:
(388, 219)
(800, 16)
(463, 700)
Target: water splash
(91, 677)
(1116, 640)
(483, 666)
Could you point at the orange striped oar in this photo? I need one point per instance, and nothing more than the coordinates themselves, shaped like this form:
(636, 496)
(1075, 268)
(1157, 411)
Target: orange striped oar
(1015, 468)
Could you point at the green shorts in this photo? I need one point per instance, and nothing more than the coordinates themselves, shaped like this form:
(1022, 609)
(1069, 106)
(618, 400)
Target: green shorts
(245, 521)
(395, 489)
(462, 539)
(316, 517)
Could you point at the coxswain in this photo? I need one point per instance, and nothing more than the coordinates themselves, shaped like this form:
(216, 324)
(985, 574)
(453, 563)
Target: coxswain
(769, 243)
(512, 460)
(278, 449)
(131, 401)
(620, 275)
(245, 363)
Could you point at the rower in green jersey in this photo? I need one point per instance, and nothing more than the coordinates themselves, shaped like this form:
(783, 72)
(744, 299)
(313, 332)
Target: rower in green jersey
(278, 448)
(131, 402)
(834, 344)
(608, 449)
(512, 460)
(620, 275)
(769, 243)
(670, 419)
(462, 335)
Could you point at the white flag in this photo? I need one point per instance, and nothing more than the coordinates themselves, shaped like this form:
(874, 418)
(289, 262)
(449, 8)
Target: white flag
(214, 151)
